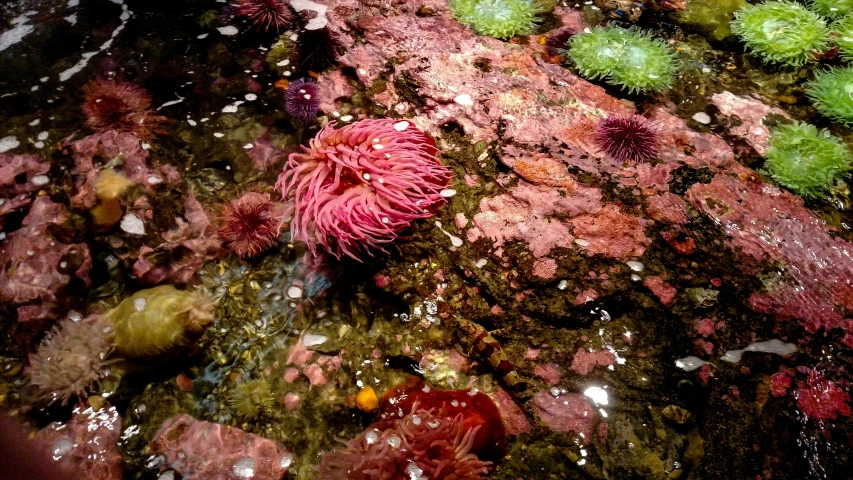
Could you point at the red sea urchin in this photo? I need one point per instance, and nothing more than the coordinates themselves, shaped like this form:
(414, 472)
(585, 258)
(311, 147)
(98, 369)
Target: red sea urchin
(250, 224)
(266, 15)
(356, 187)
(111, 104)
(301, 100)
(629, 138)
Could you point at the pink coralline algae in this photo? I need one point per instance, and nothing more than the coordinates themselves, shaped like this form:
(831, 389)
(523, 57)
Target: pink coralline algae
(186, 249)
(567, 413)
(422, 444)
(820, 399)
(72, 359)
(20, 175)
(197, 449)
(665, 292)
(87, 444)
(249, 224)
(766, 223)
(35, 267)
(356, 187)
(584, 362)
(748, 115)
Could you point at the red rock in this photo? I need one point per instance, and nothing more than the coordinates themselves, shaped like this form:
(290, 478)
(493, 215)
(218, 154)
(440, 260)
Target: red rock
(819, 398)
(766, 223)
(586, 296)
(332, 89)
(704, 327)
(291, 401)
(20, 175)
(611, 233)
(665, 292)
(780, 383)
(184, 382)
(584, 362)
(569, 412)
(36, 266)
(514, 420)
(197, 449)
(747, 118)
(667, 208)
(315, 375)
(87, 444)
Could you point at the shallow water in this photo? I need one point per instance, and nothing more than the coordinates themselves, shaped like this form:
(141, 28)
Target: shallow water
(681, 316)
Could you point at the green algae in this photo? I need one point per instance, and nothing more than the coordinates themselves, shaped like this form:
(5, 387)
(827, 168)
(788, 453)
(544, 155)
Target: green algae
(712, 18)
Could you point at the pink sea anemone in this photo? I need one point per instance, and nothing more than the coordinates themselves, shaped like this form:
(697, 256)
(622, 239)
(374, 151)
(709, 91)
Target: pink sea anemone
(420, 445)
(250, 224)
(111, 104)
(627, 138)
(266, 15)
(72, 358)
(356, 187)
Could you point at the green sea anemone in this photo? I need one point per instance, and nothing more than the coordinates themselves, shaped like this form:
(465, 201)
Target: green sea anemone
(805, 159)
(831, 91)
(832, 8)
(843, 30)
(781, 32)
(251, 398)
(498, 18)
(624, 57)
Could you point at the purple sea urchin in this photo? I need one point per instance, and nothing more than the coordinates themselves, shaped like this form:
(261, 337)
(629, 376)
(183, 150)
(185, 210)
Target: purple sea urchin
(266, 15)
(627, 138)
(301, 100)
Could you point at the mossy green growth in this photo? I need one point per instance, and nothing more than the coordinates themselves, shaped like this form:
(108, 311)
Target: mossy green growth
(843, 30)
(781, 32)
(805, 159)
(711, 17)
(502, 19)
(624, 57)
(832, 8)
(831, 91)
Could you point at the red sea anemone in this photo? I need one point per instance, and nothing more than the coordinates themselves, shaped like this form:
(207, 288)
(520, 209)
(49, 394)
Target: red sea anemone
(627, 138)
(250, 224)
(266, 15)
(111, 104)
(355, 188)
(301, 100)
(424, 444)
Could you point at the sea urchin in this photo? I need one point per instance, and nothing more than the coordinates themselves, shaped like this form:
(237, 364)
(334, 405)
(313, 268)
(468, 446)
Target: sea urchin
(111, 104)
(356, 187)
(249, 224)
(629, 138)
(266, 15)
(301, 100)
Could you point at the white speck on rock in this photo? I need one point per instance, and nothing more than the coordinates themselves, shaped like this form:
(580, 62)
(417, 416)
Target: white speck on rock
(244, 468)
(139, 304)
(286, 460)
(581, 242)
(132, 224)
(464, 99)
(229, 30)
(40, 180)
(563, 284)
(250, 97)
(8, 143)
(313, 339)
(294, 292)
(702, 118)
(635, 266)
(447, 192)
(481, 263)
(400, 126)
